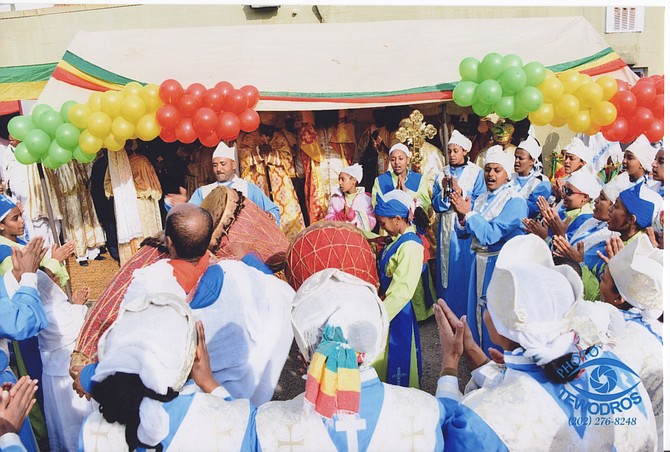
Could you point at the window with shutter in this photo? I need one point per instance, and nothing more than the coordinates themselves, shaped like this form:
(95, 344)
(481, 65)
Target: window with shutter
(624, 19)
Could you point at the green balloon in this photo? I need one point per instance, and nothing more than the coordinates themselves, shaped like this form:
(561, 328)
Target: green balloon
(519, 112)
(512, 79)
(19, 126)
(468, 69)
(49, 163)
(490, 67)
(512, 60)
(22, 155)
(464, 93)
(504, 107)
(489, 92)
(49, 122)
(67, 136)
(65, 108)
(481, 109)
(58, 154)
(38, 110)
(529, 98)
(536, 73)
(37, 142)
(82, 156)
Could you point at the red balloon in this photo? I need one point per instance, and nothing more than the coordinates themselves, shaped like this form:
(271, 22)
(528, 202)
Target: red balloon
(228, 126)
(249, 120)
(645, 93)
(658, 106)
(252, 95)
(660, 85)
(170, 91)
(236, 101)
(625, 103)
(168, 116)
(204, 120)
(188, 105)
(641, 119)
(196, 90)
(211, 140)
(617, 130)
(224, 87)
(185, 131)
(645, 80)
(168, 135)
(631, 136)
(655, 130)
(622, 86)
(655, 77)
(214, 99)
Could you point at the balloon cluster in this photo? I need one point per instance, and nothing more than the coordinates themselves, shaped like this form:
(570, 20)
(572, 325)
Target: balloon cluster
(209, 115)
(639, 110)
(575, 99)
(109, 119)
(500, 84)
(47, 136)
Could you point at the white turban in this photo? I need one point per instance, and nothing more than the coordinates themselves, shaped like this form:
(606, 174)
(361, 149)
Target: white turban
(585, 181)
(539, 305)
(637, 271)
(153, 337)
(333, 297)
(400, 147)
(620, 183)
(496, 154)
(461, 140)
(643, 151)
(531, 146)
(224, 151)
(355, 171)
(578, 148)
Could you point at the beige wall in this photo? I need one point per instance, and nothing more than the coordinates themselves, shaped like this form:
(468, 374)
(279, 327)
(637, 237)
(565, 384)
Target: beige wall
(42, 36)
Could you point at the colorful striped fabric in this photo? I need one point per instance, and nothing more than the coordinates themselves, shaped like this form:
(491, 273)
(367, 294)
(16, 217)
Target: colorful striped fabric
(333, 378)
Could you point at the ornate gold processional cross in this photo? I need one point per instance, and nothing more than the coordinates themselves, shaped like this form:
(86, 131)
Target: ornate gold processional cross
(414, 131)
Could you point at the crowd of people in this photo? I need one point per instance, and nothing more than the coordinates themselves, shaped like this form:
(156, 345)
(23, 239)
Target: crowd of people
(550, 288)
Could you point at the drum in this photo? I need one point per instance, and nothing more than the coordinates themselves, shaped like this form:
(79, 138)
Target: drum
(330, 244)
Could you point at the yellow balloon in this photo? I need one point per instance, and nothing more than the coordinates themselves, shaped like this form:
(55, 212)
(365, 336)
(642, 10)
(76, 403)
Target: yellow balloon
(147, 128)
(583, 79)
(111, 102)
(567, 105)
(78, 115)
(609, 86)
(589, 94)
(543, 115)
(99, 124)
(558, 121)
(592, 130)
(551, 88)
(603, 113)
(94, 101)
(132, 89)
(550, 73)
(122, 129)
(112, 143)
(88, 143)
(133, 108)
(580, 122)
(570, 80)
(151, 98)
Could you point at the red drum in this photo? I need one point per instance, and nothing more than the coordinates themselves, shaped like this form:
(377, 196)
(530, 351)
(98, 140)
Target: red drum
(330, 244)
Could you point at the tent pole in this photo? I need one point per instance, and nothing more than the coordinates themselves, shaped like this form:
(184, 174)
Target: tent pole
(50, 215)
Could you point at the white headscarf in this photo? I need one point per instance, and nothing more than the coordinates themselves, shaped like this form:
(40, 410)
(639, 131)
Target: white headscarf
(586, 182)
(620, 183)
(637, 271)
(531, 146)
(224, 151)
(578, 148)
(400, 147)
(547, 318)
(355, 171)
(333, 297)
(643, 151)
(461, 140)
(496, 154)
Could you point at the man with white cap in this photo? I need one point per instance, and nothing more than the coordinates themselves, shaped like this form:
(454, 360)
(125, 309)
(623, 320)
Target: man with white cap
(350, 203)
(561, 388)
(633, 283)
(225, 164)
(141, 384)
(454, 255)
(502, 133)
(401, 177)
(340, 326)
(638, 159)
(494, 218)
(578, 156)
(530, 183)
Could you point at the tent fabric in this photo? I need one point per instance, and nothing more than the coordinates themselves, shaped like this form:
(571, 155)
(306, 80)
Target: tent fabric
(24, 82)
(326, 66)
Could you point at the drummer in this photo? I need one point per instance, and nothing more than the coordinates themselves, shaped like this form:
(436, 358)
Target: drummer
(224, 163)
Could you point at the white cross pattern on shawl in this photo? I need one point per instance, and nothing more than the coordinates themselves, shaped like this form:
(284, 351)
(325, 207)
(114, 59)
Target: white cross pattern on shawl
(350, 425)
